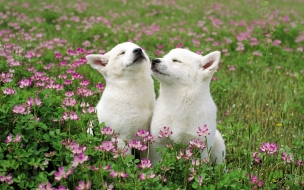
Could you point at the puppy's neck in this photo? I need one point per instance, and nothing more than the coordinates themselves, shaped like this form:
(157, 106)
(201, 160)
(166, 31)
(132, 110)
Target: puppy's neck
(185, 93)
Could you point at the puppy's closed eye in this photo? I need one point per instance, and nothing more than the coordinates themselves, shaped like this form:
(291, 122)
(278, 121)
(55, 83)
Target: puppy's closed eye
(122, 53)
(175, 60)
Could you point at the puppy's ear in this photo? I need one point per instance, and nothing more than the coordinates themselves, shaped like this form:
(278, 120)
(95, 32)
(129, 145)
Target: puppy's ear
(97, 61)
(209, 63)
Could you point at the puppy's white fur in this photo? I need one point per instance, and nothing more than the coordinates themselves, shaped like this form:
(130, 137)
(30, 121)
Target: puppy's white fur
(128, 99)
(185, 102)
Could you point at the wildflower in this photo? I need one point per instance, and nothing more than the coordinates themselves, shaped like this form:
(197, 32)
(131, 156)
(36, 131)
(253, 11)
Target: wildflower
(165, 133)
(74, 116)
(99, 86)
(162, 178)
(18, 138)
(20, 109)
(276, 42)
(118, 174)
(107, 131)
(47, 186)
(142, 133)
(65, 116)
(192, 174)
(8, 138)
(120, 152)
(76, 149)
(9, 91)
(24, 83)
(256, 158)
(69, 93)
(62, 188)
(79, 159)
(255, 181)
(58, 55)
(107, 146)
(7, 179)
(83, 186)
(203, 132)
(69, 102)
(200, 52)
(145, 163)
(108, 187)
(287, 158)
(197, 143)
(151, 175)
(195, 162)
(91, 110)
(270, 148)
(200, 180)
(142, 176)
(62, 174)
(279, 125)
(149, 138)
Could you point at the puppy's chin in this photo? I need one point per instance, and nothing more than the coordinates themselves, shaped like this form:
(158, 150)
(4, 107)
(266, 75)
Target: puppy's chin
(156, 73)
(137, 61)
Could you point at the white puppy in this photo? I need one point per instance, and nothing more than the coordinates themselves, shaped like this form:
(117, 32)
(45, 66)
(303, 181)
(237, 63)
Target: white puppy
(128, 100)
(185, 102)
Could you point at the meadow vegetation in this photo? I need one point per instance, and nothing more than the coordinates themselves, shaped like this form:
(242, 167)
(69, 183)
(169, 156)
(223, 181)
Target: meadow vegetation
(48, 93)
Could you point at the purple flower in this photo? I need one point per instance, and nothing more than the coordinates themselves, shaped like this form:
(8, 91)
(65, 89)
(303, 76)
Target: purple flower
(83, 186)
(165, 133)
(74, 116)
(287, 158)
(7, 179)
(9, 138)
(65, 116)
(142, 176)
(62, 188)
(107, 146)
(203, 132)
(107, 131)
(62, 174)
(18, 138)
(118, 174)
(24, 83)
(145, 163)
(108, 187)
(255, 181)
(9, 91)
(270, 148)
(46, 186)
(200, 180)
(256, 158)
(76, 149)
(20, 109)
(197, 143)
(79, 159)
(137, 145)
(142, 133)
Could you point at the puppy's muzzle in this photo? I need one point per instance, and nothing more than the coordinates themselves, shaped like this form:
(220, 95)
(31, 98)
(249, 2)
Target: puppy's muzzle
(155, 62)
(138, 51)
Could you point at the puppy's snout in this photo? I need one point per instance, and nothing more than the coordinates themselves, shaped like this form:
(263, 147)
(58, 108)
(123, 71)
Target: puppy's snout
(137, 51)
(155, 61)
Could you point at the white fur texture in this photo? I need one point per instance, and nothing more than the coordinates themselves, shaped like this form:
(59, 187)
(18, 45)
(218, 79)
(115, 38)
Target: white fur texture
(185, 102)
(128, 99)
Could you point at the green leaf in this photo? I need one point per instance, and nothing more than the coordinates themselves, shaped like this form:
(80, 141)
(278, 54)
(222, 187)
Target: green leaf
(195, 185)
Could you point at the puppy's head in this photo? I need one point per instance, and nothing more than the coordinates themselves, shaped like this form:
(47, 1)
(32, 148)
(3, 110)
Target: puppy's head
(181, 66)
(125, 59)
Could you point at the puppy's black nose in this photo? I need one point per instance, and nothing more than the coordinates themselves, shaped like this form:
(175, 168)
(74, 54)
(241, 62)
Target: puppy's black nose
(137, 50)
(155, 61)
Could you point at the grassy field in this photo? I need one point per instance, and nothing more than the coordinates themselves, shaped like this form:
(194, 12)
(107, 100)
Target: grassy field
(48, 92)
